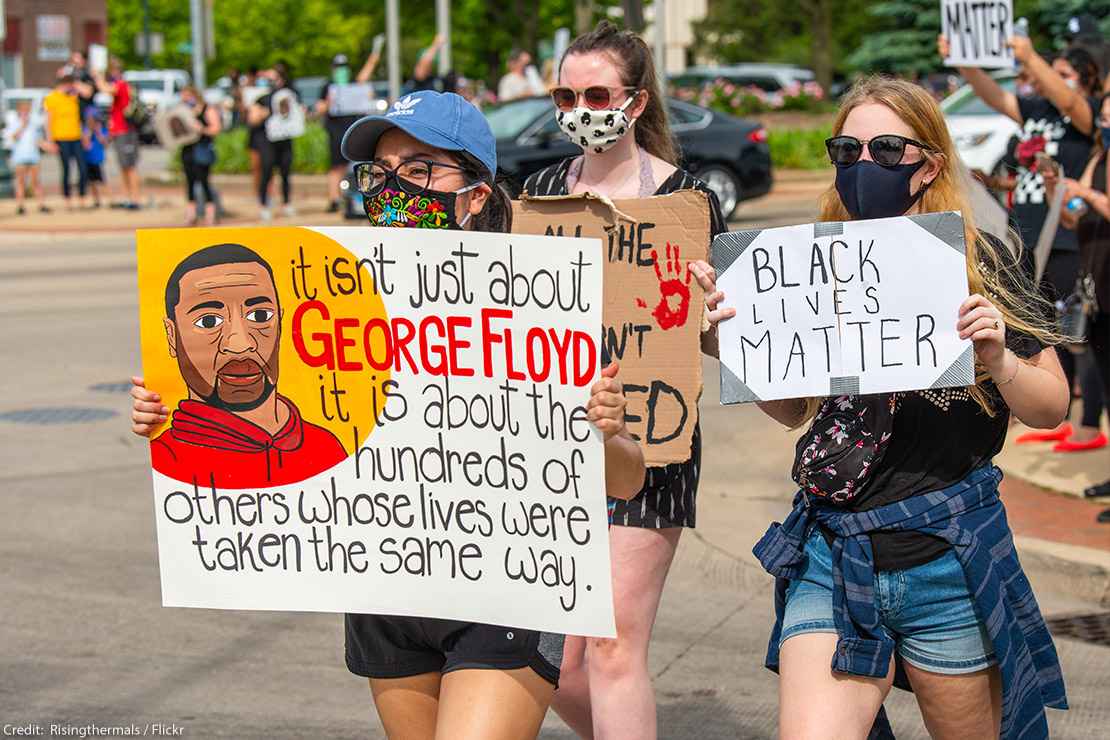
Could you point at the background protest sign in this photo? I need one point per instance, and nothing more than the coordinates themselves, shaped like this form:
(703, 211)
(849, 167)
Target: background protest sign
(978, 32)
(380, 421)
(176, 127)
(354, 99)
(653, 306)
(287, 118)
(848, 308)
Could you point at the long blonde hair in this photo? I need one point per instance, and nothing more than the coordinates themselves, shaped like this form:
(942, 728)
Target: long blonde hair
(991, 270)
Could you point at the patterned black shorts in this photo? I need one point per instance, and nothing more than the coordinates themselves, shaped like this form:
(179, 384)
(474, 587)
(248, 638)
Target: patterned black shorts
(667, 498)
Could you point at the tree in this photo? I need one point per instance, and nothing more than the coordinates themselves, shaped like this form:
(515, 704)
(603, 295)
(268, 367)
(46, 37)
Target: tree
(800, 33)
(904, 40)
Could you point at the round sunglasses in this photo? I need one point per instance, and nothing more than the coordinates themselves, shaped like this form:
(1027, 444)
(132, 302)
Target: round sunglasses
(596, 97)
(886, 150)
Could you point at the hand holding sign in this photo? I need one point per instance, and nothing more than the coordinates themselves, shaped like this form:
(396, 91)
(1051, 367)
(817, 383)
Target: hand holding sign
(1022, 47)
(982, 323)
(605, 409)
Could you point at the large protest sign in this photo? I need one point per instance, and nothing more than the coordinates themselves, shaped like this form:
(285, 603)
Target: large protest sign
(424, 449)
(653, 306)
(848, 308)
(978, 32)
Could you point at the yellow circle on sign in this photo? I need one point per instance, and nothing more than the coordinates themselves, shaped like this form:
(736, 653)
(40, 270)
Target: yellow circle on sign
(341, 401)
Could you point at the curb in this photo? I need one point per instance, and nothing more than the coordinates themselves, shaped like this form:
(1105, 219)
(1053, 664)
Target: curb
(1082, 572)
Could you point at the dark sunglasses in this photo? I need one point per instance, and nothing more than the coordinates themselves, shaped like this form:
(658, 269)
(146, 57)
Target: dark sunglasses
(886, 150)
(596, 97)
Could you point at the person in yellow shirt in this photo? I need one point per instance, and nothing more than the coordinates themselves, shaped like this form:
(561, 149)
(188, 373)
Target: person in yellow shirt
(63, 134)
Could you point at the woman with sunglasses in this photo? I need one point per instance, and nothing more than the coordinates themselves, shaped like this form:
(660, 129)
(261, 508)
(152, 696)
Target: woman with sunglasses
(437, 678)
(608, 102)
(1058, 121)
(897, 553)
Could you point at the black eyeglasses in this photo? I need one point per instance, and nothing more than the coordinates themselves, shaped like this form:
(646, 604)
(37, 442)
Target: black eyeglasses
(886, 150)
(413, 175)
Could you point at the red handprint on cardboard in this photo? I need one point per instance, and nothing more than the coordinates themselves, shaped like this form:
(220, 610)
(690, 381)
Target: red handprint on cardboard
(674, 291)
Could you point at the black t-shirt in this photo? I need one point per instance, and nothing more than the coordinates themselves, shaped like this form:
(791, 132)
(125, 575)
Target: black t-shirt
(1045, 129)
(938, 438)
(439, 83)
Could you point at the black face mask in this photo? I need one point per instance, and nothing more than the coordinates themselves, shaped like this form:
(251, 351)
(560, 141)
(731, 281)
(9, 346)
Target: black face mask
(869, 190)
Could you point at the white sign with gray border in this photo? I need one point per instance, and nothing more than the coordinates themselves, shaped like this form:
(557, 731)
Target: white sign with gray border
(847, 308)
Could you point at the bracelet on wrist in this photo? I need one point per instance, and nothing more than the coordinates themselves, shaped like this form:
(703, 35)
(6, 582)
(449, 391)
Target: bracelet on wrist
(1017, 369)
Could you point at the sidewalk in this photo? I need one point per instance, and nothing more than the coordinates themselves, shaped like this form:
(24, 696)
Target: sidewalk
(164, 207)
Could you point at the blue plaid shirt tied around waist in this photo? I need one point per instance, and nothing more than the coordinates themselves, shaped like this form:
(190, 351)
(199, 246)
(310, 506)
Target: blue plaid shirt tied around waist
(969, 516)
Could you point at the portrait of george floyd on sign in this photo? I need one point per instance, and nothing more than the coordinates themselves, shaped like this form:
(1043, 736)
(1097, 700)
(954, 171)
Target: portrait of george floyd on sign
(652, 318)
(369, 420)
(832, 309)
(978, 32)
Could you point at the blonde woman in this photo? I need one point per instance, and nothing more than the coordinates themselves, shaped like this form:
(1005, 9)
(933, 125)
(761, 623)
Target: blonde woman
(927, 580)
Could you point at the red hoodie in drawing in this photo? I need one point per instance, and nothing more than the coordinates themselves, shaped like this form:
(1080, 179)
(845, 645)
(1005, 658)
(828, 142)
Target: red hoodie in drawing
(208, 444)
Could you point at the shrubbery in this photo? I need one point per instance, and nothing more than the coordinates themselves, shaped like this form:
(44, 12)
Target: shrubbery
(799, 149)
(726, 97)
(311, 153)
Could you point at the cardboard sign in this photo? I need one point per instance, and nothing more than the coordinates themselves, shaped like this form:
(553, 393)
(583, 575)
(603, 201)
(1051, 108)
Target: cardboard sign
(978, 32)
(378, 421)
(653, 307)
(356, 99)
(176, 127)
(850, 308)
(286, 119)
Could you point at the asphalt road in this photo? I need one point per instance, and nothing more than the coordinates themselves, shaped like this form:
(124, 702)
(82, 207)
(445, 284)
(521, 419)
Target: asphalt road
(84, 639)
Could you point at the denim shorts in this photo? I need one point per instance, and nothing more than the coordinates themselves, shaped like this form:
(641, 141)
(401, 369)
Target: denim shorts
(927, 610)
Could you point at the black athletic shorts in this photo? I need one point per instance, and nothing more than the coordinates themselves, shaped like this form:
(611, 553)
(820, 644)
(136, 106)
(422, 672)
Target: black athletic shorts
(396, 647)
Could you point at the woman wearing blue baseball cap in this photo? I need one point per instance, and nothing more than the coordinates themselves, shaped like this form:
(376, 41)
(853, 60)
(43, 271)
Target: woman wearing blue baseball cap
(429, 163)
(608, 102)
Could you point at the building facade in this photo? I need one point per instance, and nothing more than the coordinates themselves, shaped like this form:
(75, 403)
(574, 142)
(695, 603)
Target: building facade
(40, 35)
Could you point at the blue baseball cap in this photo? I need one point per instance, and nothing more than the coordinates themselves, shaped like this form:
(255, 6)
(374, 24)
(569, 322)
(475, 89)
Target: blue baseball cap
(443, 120)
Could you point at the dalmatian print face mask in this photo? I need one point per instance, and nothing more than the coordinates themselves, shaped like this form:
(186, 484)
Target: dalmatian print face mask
(596, 130)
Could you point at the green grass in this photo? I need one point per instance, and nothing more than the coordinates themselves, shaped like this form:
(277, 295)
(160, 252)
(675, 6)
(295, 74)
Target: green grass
(799, 149)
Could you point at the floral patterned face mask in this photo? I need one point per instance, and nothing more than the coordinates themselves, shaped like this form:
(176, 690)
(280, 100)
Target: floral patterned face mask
(432, 209)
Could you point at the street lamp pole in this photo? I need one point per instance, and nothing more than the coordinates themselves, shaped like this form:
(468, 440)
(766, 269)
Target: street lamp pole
(443, 28)
(196, 14)
(393, 50)
(661, 42)
(146, 34)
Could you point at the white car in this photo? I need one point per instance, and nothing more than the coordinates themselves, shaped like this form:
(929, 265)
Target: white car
(980, 133)
(12, 96)
(157, 88)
